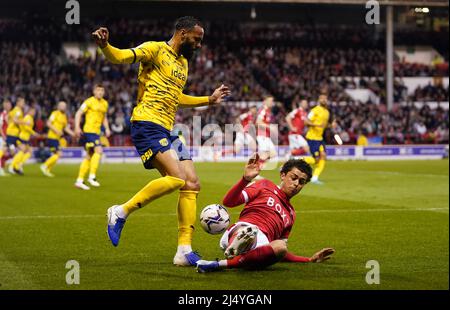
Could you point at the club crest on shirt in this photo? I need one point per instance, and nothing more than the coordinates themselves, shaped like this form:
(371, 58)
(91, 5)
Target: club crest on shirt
(164, 142)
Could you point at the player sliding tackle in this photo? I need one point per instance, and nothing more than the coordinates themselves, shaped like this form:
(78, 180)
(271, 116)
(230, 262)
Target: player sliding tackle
(259, 238)
(162, 76)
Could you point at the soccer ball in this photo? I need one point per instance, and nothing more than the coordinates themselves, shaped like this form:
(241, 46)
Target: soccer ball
(214, 219)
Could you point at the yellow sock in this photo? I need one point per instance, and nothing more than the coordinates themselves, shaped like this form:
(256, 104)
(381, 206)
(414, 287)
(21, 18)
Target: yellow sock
(25, 157)
(187, 214)
(1, 154)
(95, 161)
(309, 160)
(17, 159)
(319, 167)
(153, 190)
(84, 168)
(51, 161)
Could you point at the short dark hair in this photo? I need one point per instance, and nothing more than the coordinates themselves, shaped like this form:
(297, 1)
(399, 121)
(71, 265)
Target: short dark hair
(300, 164)
(99, 85)
(187, 22)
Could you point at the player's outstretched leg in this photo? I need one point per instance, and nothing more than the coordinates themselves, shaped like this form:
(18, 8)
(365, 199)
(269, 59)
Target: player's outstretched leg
(115, 225)
(258, 258)
(153, 190)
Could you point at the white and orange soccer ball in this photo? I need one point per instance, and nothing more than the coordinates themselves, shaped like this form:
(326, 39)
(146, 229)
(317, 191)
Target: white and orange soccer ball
(214, 219)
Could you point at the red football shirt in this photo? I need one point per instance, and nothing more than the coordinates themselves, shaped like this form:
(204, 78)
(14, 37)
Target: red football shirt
(3, 122)
(265, 116)
(298, 117)
(267, 207)
(246, 120)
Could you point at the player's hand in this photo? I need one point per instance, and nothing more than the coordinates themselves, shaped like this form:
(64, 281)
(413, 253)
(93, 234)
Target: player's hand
(252, 168)
(77, 132)
(334, 124)
(101, 36)
(219, 94)
(322, 255)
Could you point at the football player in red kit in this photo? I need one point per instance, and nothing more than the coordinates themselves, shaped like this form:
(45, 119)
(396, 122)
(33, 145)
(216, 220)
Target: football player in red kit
(244, 137)
(259, 238)
(296, 121)
(4, 155)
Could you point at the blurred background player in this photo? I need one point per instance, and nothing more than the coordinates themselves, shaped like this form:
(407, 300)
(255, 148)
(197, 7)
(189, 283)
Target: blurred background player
(4, 154)
(94, 109)
(244, 137)
(26, 131)
(57, 125)
(296, 122)
(162, 77)
(266, 148)
(15, 119)
(317, 121)
(259, 238)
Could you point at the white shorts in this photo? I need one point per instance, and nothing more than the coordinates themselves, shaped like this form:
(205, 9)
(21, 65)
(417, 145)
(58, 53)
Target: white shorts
(265, 144)
(261, 238)
(297, 142)
(244, 139)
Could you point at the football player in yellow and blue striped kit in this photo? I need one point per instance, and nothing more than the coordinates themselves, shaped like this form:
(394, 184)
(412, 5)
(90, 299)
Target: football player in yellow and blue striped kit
(317, 121)
(57, 125)
(162, 77)
(94, 109)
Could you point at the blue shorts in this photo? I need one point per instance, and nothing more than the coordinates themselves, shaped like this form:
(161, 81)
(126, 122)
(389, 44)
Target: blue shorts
(53, 145)
(316, 146)
(150, 139)
(91, 140)
(11, 141)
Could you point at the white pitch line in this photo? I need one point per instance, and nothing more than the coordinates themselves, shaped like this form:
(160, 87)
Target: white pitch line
(32, 217)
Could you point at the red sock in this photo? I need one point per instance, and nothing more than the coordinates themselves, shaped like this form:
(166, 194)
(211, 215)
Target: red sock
(258, 258)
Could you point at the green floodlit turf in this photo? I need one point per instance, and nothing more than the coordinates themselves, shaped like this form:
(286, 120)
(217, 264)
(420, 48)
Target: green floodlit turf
(395, 212)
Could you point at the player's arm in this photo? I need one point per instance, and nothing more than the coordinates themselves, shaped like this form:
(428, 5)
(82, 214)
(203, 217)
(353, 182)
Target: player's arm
(106, 125)
(78, 116)
(217, 97)
(69, 131)
(289, 121)
(318, 257)
(27, 127)
(235, 195)
(144, 52)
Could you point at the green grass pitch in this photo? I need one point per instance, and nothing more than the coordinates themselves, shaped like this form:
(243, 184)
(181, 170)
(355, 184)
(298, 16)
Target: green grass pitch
(395, 212)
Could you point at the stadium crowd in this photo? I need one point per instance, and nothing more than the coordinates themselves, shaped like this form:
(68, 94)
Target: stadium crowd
(290, 62)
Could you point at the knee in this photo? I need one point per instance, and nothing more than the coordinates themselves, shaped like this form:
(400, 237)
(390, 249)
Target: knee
(192, 184)
(279, 248)
(98, 150)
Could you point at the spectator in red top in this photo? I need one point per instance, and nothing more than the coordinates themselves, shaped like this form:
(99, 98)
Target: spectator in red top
(259, 238)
